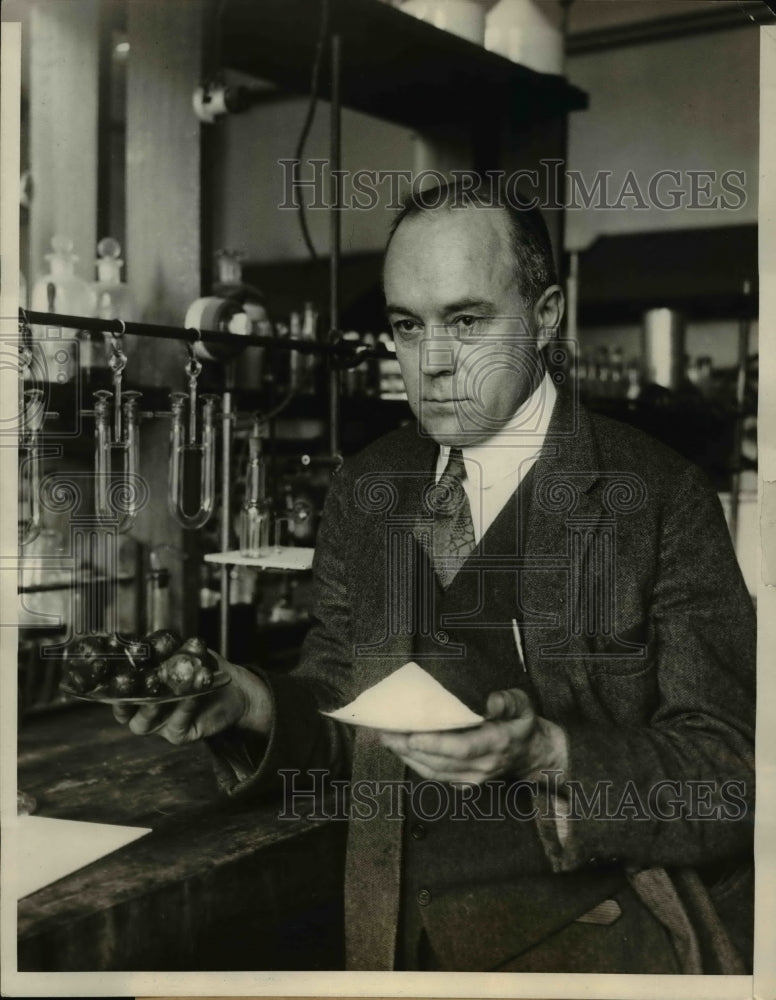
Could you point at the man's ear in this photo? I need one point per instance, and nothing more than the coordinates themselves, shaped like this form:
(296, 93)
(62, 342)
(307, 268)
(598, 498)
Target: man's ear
(548, 314)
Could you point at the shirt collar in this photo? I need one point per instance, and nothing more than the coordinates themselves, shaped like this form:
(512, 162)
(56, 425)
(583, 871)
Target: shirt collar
(520, 438)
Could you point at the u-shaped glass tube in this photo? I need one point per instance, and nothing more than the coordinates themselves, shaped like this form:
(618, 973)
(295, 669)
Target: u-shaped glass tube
(29, 473)
(116, 500)
(184, 448)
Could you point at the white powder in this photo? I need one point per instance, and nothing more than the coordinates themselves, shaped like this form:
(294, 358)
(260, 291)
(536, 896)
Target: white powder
(408, 700)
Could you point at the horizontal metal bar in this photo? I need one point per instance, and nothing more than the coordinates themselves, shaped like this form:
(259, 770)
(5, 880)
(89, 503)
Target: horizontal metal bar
(345, 351)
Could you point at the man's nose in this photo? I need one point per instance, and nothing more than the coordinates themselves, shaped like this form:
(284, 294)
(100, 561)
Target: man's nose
(439, 354)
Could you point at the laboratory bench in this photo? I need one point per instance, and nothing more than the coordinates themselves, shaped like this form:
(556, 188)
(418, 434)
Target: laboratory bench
(218, 883)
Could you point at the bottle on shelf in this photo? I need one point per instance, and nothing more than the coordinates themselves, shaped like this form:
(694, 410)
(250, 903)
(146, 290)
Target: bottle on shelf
(158, 599)
(353, 379)
(521, 31)
(584, 368)
(279, 367)
(633, 379)
(242, 585)
(60, 290)
(309, 322)
(465, 17)
(301, 513)
(250, 371)
(617, 379)
(229, 272)
(302, 367)
(603, 373)
(310, 333)
(691, 372)
(705, 380)
(283, 610)
(113, 296)
(158, 610)
(391, 381)
(112, 300)
(209, 588)
(48, 590)
(371, 379)
(296, 367)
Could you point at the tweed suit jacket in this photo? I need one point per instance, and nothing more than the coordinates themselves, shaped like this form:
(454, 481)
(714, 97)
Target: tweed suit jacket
(639, 640)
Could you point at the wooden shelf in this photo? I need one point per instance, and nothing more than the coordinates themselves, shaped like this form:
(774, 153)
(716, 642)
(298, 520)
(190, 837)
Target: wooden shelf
(394, 66)
(700, 272)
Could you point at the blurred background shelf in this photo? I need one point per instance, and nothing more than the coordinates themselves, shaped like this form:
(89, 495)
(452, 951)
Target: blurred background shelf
(700, 273)
(452, 83)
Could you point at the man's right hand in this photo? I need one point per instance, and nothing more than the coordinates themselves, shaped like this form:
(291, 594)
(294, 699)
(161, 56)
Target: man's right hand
(246, 703)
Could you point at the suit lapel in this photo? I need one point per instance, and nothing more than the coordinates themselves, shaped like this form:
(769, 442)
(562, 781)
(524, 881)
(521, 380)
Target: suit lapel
(384, 557)
(383, 566)
(563, 505)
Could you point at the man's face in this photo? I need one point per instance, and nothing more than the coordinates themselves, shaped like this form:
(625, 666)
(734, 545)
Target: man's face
(465, 342)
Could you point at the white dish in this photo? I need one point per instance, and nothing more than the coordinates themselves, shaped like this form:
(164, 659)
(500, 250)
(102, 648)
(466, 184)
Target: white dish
(408, 700)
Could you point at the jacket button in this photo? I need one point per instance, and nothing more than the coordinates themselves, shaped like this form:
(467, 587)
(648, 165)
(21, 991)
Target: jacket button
(442, 637)
(418, 832)
(424, 897)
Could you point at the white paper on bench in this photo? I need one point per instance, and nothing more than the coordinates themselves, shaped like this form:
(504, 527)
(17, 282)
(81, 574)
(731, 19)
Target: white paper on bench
(48, 849)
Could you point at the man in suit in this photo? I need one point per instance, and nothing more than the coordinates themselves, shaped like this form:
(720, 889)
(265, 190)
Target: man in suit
(570, 580)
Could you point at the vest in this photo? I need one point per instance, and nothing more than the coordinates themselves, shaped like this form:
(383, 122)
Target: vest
(463, 845)
(472, 619)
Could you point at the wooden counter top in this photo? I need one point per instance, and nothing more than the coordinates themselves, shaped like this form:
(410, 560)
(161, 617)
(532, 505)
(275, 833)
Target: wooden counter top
(218, 884)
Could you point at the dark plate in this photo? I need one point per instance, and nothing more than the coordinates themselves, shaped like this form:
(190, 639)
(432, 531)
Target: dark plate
(220, 679)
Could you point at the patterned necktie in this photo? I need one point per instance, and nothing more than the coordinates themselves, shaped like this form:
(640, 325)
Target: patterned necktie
(453, 530)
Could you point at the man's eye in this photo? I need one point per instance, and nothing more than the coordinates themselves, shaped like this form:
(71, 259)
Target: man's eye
(405, 326)
(466, 323)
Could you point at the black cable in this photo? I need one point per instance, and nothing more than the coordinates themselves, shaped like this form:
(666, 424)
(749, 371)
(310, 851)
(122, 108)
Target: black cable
(310, 117)
(217, 46)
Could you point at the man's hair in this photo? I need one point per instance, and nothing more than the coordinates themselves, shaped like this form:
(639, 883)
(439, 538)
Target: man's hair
(529, 239)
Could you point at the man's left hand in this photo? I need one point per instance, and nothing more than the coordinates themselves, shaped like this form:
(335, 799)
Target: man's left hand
(513, 741)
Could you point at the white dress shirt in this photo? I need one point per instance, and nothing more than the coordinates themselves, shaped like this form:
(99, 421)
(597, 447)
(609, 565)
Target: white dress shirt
(496, 467)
